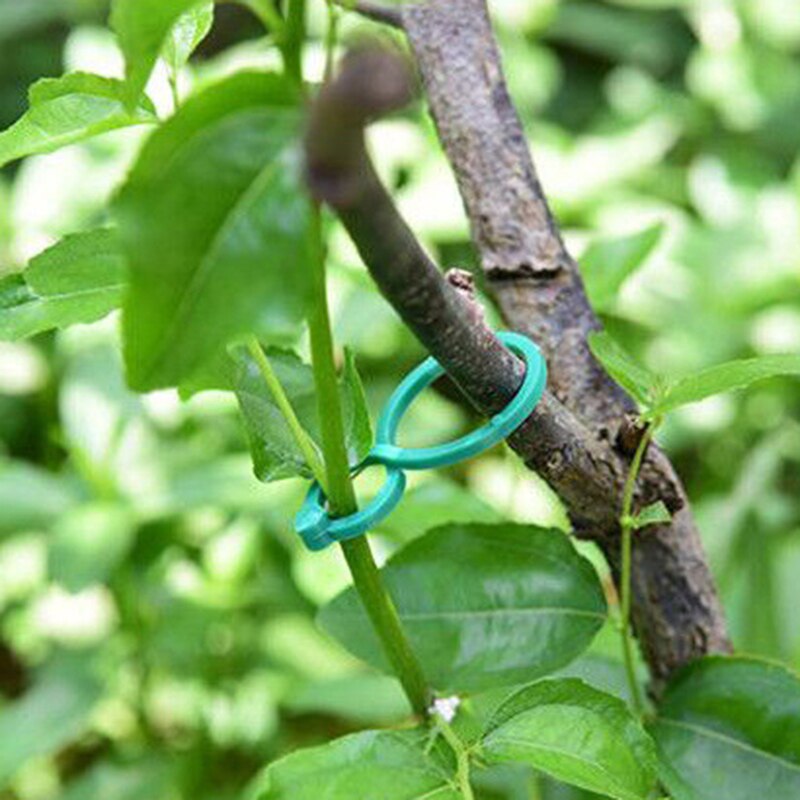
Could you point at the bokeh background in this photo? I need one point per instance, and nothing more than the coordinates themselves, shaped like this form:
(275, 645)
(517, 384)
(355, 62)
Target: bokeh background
(156, 612)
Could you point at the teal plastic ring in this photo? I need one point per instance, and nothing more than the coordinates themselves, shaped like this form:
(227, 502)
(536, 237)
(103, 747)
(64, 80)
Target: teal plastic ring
(318, 529)
(502, 425)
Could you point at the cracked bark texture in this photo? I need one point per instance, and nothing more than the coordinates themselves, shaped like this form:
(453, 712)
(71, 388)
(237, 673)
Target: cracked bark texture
(571, 437)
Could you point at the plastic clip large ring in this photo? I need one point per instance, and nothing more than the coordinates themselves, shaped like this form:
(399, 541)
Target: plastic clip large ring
(387, 451)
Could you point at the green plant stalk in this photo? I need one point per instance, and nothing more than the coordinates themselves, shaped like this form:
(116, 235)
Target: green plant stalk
(342, 498)
(301, 437)
(293, 39)
(461, 754)
(626, 525)
(331, 38)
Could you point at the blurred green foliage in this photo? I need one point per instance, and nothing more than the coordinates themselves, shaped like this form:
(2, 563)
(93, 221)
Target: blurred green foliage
(156, 613)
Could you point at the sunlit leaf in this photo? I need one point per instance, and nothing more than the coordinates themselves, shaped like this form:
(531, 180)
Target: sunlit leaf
(725, 377)
(78, 280)
(577, 734)
(70, 109)
(634, 377)
(143, 28)
(390, 765)
(187, 33)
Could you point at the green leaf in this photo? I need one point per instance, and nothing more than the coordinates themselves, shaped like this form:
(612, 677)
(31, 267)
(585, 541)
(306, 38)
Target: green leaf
(608, 263)
(483, 605)
(654, 514)
(433, 503)
(217, 194)
(275, 452)
(78, 280)
(725, 377)
(390, 765)
(88, 544)
(363, 698)
(574, 733)
(50, 715)
(637, 379)
(31, 498)
(730, 727)
(143, 28)
(355, 411)
(187, 33)
(70, 109)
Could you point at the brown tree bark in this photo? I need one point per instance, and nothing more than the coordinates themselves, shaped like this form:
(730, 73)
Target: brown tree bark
(572, 439)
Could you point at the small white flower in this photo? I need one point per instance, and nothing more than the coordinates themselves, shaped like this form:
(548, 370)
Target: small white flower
(446, 708)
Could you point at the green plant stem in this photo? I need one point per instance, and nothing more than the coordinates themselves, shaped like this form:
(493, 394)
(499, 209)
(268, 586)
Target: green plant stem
(626, 524)
(301, 437)
(293, 39)
(461, 754)
(331, 38)
(342, 498)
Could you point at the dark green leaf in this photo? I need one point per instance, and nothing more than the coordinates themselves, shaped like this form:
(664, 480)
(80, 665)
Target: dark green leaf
(217, 194)
(390, 765)
(577, 734)
(730, 728)
(637, 379)
(88, 544)
(608, 263)
(275, 452)
(143, 28)
(50, 715)
(654, 514)
(78, 280)
(725, 377)
(483, 605)
(187, 33)
(70, 109)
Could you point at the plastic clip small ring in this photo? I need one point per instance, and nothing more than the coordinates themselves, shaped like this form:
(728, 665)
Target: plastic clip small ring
(318, 529)
(502, 425)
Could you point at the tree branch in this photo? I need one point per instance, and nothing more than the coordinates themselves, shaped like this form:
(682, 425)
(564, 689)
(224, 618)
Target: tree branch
(539, 290)
(584, 469)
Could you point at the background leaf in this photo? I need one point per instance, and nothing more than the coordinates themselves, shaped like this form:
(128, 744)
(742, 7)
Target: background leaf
(483, 605)
(70, 109)
(49, 715)
(78, 280)
(575, 733)
(730, 727)
(637, 379)
(725, 377)
(31, 498)
(390, 765)
(608, 263)
(88, 544)
(187, 33)
(215, 215)
(143, 28)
